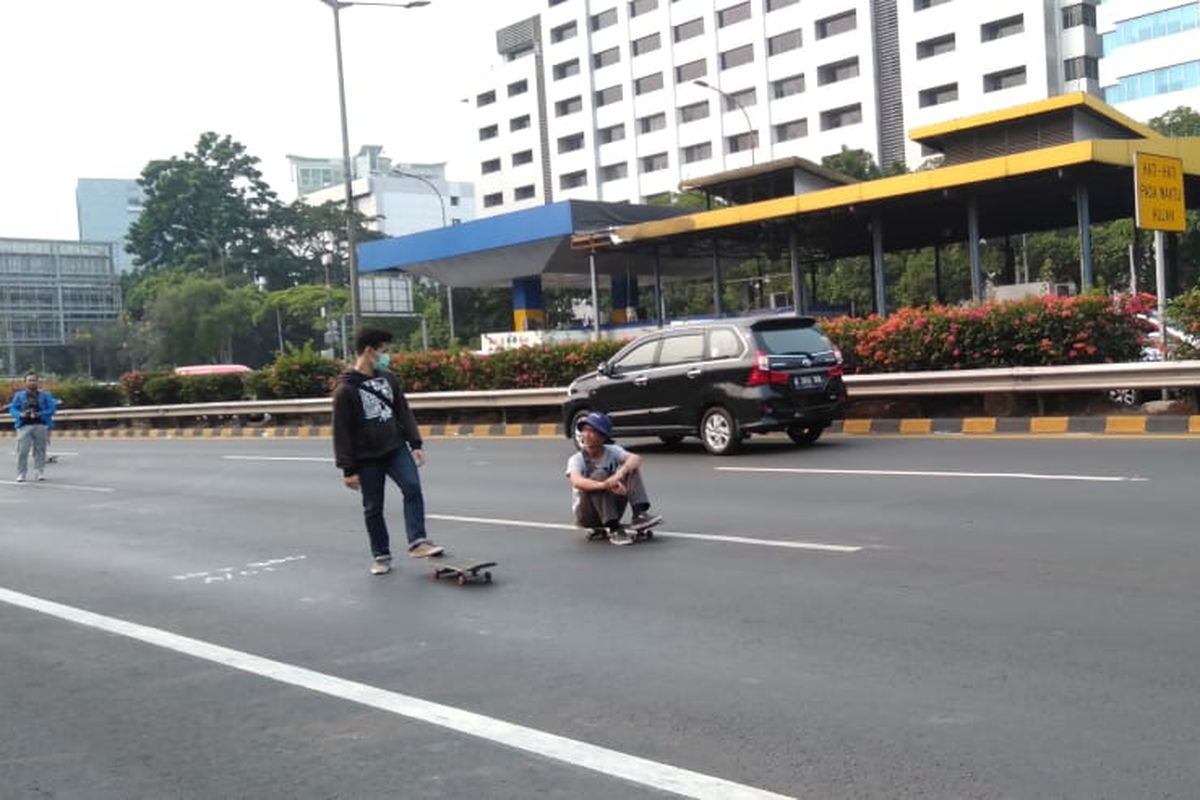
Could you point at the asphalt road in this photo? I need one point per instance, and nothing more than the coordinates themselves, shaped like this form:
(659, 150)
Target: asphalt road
(935, 618)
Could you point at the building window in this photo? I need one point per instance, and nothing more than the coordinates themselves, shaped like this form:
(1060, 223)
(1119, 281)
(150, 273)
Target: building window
(1005, 79)
(841, 117)
(568, 144)
(697, 152)
(606, 57)
(1080, 14)
(490, 166)
(614, 172)
(838, 23)
(689, 30)
(693, 112)
(523, 157)
(935, 46)
(691, 71)
(938, 95)
(650, 83)
(489, 132)
(784, 42)
(612, 94)
(1083, 67)
(737, 56)
(1155, 82)
(566, 69)
(655, 162)
(554, 3)
(485, 99)
(786, 87)
(519, 123)
(743, 98)
(646, 44)
(652, 123)
(526, 192)
(454, 200)
(741, 142)
(573, 180)
(613, 133)
(518, 87)
(639, 7)
(775, 5)
(564, 32)
(1009, 26)
(569, 106)
(493, 200)
(837, 71)
(1153, 26)
(604, 19)
(921, 5)
(733, 14)
(796, 129)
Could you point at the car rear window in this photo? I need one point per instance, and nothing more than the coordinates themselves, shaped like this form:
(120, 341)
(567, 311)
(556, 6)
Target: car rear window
(779, 341)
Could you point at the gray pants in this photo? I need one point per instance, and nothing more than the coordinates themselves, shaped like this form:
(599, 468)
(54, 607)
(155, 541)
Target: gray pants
(597, 509)
(35, 436)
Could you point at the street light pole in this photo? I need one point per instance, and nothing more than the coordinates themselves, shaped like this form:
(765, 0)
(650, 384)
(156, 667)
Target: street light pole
(737, 104)
(352, 255)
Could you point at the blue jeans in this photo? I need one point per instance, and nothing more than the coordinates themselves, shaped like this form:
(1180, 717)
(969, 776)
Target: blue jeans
(372, 477)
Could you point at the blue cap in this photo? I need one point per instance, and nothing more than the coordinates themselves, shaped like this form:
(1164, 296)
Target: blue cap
(598, 421)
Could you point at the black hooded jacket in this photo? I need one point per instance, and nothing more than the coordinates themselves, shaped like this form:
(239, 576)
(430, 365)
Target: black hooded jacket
(371, 419)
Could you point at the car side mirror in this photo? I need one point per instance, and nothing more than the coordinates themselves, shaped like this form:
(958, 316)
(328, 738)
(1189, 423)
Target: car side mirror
(603, 369)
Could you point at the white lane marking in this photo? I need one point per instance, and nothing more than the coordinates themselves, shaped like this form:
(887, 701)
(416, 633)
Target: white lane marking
(279, 458)
(624, 766)
(55, 485)
(226, 574)
(1028, 476)
(704, 537)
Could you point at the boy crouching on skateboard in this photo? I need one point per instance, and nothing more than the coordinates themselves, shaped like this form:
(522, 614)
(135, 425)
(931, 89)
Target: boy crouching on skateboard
(605, 478)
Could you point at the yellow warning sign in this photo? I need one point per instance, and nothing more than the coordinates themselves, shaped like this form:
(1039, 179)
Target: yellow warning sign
(1158, 193)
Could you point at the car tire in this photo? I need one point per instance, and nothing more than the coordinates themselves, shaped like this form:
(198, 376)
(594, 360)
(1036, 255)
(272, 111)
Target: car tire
(580, 414)
(719, 432)
(805, 434)
(670, 439)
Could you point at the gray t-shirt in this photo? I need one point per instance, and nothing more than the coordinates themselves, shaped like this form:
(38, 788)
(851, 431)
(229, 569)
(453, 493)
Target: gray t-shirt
(608, 462)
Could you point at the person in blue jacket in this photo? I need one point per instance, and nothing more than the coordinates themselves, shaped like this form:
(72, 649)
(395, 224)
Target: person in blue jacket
(33, 414)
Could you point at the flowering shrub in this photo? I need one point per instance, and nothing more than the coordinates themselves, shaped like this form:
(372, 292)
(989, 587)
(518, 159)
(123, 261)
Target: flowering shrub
(210, 388)
(524, 368)
(301, 372)
(83, 394)
(1043, 331)
(162, 389)
(1184, 311)
(133, 385)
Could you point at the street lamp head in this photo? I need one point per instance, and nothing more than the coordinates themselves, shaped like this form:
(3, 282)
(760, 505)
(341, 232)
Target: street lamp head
(702, 83)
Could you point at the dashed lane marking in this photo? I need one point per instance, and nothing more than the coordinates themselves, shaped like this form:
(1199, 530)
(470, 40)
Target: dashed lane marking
(626, 767)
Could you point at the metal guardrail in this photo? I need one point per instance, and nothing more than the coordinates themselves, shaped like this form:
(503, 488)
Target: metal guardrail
(1088, 377)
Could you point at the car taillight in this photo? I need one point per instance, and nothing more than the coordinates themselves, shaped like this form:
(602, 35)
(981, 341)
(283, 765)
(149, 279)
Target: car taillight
(762, 373)
(836, 371)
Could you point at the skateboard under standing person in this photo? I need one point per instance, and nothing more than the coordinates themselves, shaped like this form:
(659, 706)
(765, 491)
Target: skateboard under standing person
(605, 479)
(375, 437)
(32, 411)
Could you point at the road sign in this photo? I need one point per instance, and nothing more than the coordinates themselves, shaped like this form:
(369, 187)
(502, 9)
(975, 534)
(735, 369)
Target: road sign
(1158, 193)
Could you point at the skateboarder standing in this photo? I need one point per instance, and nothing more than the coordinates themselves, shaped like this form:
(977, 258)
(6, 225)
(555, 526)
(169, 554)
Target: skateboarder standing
(375, 437)
(605, 478)
(33, 415)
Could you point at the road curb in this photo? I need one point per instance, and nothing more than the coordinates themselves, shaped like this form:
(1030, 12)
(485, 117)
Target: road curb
(1123, 425)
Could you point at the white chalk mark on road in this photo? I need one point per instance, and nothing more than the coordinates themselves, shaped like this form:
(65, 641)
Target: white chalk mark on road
(226, 574)
(786, 544)
(623, 766)
(70, 487)
(902, 473)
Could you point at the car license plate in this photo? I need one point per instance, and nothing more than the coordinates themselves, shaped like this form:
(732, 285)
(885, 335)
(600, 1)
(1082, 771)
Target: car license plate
(807, 381)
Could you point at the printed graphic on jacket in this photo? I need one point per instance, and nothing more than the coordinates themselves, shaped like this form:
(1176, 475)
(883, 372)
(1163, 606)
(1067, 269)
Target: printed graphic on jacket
(374, 409)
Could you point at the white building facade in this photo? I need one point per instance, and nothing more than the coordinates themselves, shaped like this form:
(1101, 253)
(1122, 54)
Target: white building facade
(1151, 61)
(625, 99)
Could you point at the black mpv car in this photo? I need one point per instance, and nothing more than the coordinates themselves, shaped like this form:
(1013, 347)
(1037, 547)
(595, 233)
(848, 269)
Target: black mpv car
(720, 380)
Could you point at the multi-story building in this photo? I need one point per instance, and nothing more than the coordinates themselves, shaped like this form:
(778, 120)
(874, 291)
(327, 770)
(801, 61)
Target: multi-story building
(313, 174)
(50, 290)
(1151, 60)
(105, 209)
(624, 99)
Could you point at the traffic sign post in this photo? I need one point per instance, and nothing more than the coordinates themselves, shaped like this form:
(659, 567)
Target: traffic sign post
(1159, 206)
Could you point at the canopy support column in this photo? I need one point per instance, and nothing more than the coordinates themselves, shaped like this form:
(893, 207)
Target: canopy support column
(1083, 208)
(595, 296)
(880, 278)
(716, 278)
(973, 249)
(799, 290)
(660, 305)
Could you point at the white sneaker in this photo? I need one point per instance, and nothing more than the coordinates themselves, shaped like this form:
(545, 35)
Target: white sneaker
(381, 567)
(21, 478)
(619, 536)
(39, 475)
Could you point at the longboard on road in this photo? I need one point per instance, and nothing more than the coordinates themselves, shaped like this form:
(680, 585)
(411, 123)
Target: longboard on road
(464, 570)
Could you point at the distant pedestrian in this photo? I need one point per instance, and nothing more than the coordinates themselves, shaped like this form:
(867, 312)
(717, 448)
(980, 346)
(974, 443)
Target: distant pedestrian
(32, 411)
(375, 437)
(605, 480)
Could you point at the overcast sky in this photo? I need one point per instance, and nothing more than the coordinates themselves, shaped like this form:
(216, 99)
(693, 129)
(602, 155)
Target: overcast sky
(96, 88)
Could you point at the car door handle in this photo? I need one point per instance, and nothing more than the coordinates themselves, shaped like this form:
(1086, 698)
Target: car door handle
(694, 372)
(640, 380)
